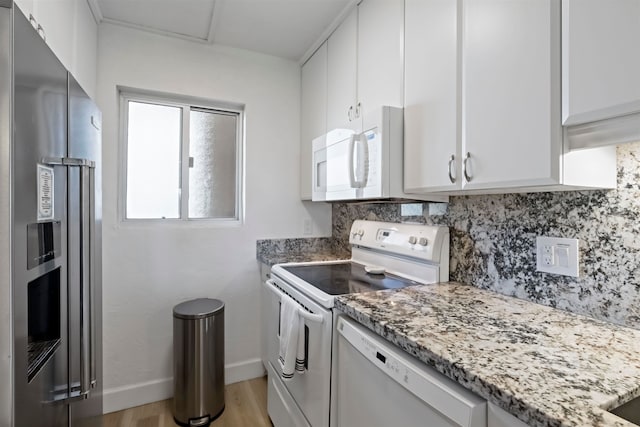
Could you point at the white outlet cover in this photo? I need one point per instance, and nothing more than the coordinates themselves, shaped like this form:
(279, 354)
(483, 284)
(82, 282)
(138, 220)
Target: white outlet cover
(565, 255)
(307, 227)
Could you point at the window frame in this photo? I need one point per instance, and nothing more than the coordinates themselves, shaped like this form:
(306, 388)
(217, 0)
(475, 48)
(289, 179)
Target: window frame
(186, 104)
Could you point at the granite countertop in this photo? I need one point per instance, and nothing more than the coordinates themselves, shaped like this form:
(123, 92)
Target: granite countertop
(277, 251)
(545, 366)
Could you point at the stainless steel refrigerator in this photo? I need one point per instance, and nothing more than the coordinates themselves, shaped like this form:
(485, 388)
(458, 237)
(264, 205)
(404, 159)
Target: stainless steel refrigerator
(50, 237)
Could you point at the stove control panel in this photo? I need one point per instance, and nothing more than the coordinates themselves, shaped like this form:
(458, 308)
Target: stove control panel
(416, 240)
(383, 234)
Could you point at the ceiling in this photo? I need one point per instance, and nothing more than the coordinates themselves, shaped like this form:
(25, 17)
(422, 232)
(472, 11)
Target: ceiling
(284, 28)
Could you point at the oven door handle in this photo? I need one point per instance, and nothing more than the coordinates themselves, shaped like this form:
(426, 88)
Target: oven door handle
(310, 316)
(317, 318)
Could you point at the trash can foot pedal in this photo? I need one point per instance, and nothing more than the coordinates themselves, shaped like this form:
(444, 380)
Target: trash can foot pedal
(199, 422)
(195, 422)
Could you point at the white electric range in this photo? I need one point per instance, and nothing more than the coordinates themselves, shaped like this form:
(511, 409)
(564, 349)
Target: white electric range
(384, 256)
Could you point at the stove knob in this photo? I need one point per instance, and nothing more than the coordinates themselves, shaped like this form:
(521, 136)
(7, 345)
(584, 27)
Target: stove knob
(422, 241)
(412, 240)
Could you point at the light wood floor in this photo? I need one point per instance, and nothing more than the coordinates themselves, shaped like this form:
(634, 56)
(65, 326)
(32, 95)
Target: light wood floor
(245, 405)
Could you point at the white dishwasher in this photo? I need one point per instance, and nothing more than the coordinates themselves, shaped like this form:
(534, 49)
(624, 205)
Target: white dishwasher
(378, 384)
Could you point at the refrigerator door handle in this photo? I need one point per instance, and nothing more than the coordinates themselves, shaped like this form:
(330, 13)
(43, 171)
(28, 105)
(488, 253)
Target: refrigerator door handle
(67, 161)
(87, 270)
(92, 258)
(87, 320)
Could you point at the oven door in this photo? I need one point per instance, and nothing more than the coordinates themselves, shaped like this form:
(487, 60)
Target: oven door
(310, 390)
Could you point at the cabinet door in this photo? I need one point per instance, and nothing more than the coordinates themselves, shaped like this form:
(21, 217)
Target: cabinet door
(431, 95)
(380, 58)
(341, 72)
(314, 113)
(26, 7)
(57, 19)
(511, 93)
(85, 59)
(601, 59)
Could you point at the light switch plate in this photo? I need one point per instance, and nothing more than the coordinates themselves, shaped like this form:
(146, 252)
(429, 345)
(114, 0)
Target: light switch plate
(557, 256)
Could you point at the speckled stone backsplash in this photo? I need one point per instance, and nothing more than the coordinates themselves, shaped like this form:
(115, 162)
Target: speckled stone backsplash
(493, 242)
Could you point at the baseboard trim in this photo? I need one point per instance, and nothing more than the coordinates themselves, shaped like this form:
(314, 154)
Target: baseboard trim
(242, 371)
(119, 398)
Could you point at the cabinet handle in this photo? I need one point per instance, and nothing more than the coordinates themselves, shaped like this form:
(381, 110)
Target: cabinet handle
(350, 113)
(42, 33)
(32, 20)
(452, 177)
(358, 110)
(465, 168)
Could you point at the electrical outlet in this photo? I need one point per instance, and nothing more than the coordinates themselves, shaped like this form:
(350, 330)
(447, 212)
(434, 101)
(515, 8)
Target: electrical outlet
(547, 256)
(307, 228)
(557, 256)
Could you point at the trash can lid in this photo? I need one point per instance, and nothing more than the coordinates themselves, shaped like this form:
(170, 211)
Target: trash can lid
(198, 308)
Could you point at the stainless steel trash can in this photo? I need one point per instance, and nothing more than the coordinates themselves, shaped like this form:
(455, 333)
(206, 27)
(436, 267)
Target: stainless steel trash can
(198, 361)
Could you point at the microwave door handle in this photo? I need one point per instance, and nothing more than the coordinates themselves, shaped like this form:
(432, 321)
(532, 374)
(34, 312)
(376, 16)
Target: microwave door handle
(352, 147)
(365, 160)
(358, 177)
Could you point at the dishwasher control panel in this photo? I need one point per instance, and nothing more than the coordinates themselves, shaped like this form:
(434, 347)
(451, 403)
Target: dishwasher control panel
(371, 350)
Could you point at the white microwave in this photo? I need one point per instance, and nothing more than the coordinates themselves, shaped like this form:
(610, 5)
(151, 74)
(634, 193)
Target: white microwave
(366, 165)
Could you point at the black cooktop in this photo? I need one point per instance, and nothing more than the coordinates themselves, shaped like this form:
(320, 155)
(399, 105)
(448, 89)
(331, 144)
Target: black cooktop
(346, 278)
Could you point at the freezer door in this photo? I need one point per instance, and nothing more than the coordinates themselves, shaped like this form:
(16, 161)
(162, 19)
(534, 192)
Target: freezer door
(85, 287)
(85, 290)
(39, 242)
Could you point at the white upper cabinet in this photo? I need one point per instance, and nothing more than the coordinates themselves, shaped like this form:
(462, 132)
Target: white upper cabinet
(85, 56)
(601, 71)
(68, 27)
(380, 56)
(431, 94)
(314, 112)
(365, 63)
(57, 20)
(341, 72)
(483, 101)
(511, 91)
(601, 54)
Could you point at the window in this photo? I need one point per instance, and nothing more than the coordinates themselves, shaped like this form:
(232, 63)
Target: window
(183, 158)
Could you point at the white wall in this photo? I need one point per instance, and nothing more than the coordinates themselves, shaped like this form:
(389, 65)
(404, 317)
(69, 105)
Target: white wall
(150, 268)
